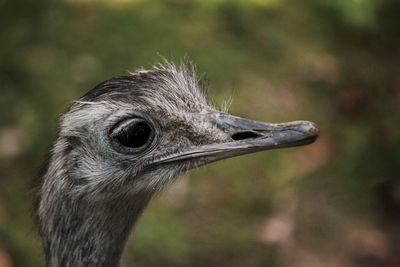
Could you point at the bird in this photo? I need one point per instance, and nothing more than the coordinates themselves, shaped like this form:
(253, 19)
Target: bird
(124, 141)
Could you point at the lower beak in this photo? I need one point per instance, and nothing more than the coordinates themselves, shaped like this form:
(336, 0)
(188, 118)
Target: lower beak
(246, 136)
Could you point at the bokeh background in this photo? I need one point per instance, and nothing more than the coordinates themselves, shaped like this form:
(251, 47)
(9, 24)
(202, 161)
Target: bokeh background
(334, 62)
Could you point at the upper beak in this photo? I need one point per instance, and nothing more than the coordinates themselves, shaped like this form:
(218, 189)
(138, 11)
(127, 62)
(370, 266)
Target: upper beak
(246, 136)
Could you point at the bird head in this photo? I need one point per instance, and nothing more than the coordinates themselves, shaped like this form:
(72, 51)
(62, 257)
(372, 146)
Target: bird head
(136, 133)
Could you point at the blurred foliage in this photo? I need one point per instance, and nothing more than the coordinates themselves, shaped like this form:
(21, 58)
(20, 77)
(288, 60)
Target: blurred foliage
(335, 62)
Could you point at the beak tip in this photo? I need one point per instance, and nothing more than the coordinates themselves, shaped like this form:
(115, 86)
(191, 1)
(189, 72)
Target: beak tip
(311, 129)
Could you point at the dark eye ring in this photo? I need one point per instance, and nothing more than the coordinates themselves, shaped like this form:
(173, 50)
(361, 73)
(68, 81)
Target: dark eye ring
(134, 134)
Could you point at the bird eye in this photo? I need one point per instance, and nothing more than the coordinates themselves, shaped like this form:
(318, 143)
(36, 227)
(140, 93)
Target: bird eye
(133, 133)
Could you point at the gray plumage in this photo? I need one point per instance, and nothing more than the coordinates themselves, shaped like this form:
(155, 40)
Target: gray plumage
(125, 140)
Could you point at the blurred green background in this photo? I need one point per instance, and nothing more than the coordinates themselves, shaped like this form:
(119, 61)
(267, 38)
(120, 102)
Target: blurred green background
(334, 62)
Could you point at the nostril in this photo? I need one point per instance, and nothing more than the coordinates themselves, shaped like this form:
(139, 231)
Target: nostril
(245, 135)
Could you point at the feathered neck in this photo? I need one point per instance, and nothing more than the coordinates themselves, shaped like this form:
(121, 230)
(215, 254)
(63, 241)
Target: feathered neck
(78, 230)
(76, 233)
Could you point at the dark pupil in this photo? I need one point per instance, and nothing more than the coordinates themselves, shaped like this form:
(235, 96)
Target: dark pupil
(135, 135)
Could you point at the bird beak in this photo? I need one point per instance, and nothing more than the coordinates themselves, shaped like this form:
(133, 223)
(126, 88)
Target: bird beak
(243, 136)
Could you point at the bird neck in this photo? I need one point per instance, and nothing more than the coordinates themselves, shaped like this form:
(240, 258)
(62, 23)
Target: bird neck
(77, 232)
